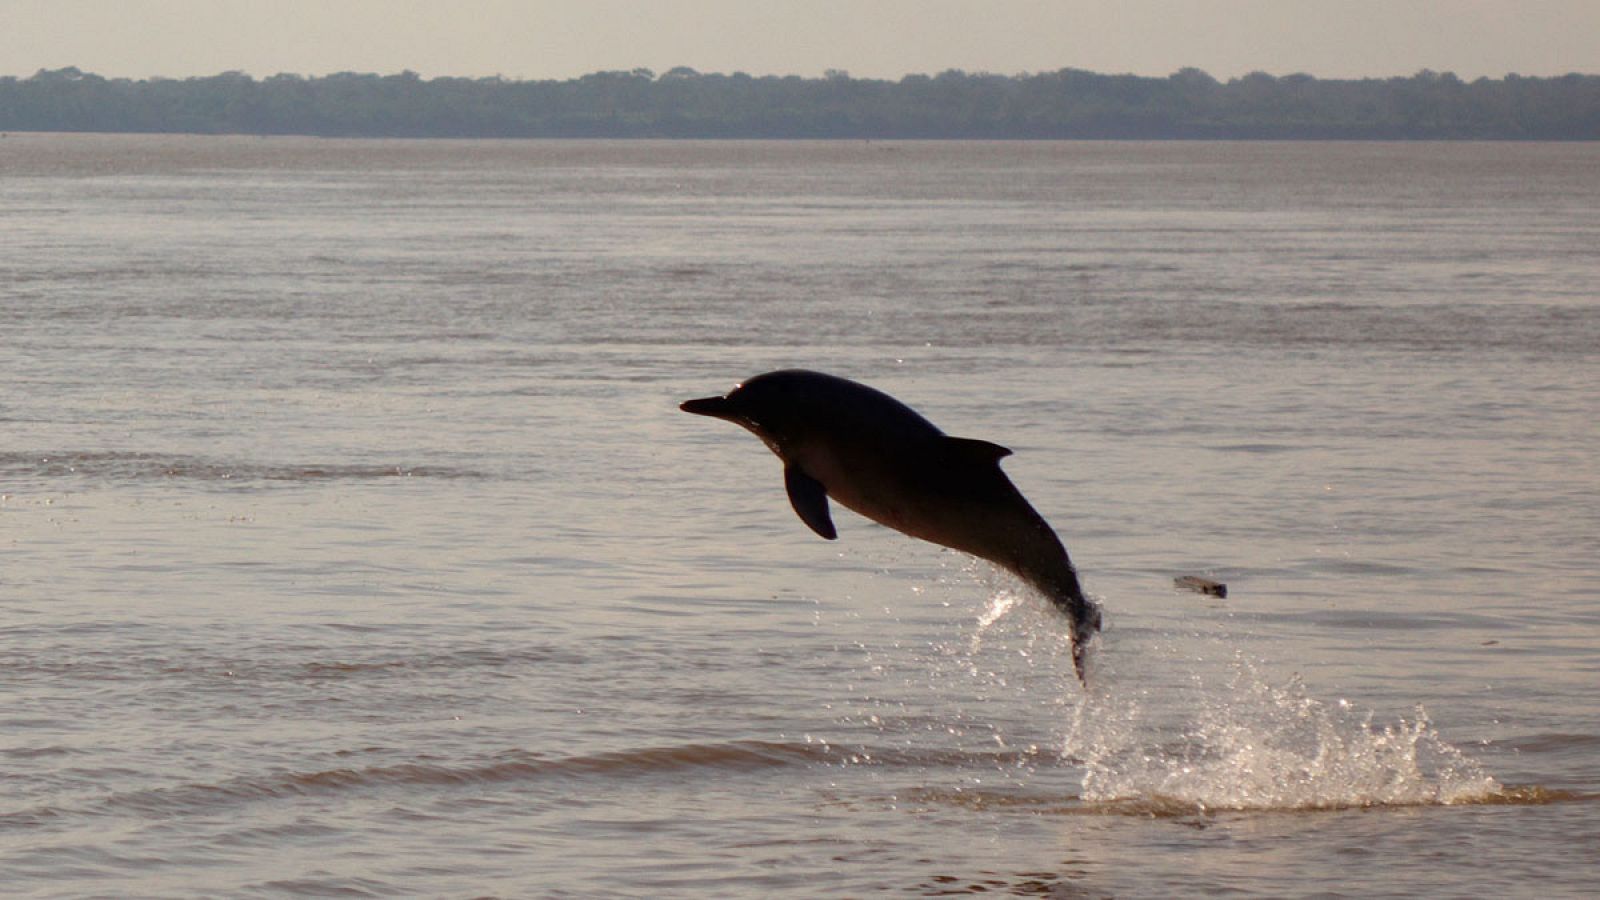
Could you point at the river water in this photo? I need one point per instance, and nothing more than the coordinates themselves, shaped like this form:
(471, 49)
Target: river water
(352, 543)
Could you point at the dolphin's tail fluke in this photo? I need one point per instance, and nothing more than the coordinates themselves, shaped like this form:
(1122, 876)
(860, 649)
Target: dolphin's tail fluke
(1063, 591)
(1085, 625)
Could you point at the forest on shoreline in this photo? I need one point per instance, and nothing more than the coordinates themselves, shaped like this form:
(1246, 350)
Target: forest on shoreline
(684, 103)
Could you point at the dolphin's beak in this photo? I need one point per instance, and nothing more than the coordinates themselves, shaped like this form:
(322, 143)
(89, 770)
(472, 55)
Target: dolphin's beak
(716, 407)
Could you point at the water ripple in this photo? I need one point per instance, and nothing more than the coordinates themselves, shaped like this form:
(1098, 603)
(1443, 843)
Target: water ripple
(134, 466)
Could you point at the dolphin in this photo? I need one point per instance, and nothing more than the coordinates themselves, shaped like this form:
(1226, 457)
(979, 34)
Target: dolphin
(875, 455)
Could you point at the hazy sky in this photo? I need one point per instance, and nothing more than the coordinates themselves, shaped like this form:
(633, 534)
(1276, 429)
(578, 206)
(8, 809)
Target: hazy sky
(868, 38)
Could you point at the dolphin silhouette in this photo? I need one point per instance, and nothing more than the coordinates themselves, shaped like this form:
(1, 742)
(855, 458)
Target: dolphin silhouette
(875, 455)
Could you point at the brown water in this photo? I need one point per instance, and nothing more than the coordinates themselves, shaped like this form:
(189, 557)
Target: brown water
(353, 544)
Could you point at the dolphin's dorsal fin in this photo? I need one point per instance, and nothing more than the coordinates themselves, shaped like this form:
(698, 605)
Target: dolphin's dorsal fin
(810, 500)
(976, 450)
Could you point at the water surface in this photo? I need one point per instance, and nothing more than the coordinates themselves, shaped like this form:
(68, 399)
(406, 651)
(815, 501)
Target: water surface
(354, 545)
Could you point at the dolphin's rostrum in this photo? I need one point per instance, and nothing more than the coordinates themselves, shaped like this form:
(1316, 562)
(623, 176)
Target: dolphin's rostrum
(877, 456)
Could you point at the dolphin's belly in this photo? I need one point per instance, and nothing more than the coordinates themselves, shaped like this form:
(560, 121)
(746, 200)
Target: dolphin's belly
(857, 478)
(919, 497)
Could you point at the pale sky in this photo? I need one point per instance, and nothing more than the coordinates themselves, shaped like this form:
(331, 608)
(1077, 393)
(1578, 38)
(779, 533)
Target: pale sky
(868, 38)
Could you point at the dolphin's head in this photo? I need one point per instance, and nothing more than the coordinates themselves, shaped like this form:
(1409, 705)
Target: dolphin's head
(775, 406)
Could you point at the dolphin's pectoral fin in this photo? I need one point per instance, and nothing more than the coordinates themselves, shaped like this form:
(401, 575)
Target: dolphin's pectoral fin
(976, 450)
(810, 500)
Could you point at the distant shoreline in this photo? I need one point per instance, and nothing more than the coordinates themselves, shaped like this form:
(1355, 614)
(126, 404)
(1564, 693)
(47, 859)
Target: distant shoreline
(1068, 104)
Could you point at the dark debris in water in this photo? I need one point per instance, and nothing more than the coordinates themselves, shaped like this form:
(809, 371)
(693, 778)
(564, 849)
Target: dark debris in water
(1201, 585)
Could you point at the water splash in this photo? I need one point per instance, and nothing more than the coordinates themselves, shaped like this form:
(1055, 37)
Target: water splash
(1248, 744)
(1000, 603)
(1204, 730)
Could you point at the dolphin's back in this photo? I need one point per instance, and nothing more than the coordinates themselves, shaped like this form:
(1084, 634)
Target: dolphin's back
(823, 403)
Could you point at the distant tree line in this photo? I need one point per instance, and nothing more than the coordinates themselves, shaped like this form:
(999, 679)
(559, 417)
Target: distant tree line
(683, 103)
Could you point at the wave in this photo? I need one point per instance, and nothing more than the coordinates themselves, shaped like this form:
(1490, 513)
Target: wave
(514, 767)
(1171, 799)
(523, 766)
(1554, 742)
(1176, 806)
(136, 466)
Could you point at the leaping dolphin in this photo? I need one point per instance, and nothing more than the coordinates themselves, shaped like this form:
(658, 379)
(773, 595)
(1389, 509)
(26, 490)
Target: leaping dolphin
(877, 456)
